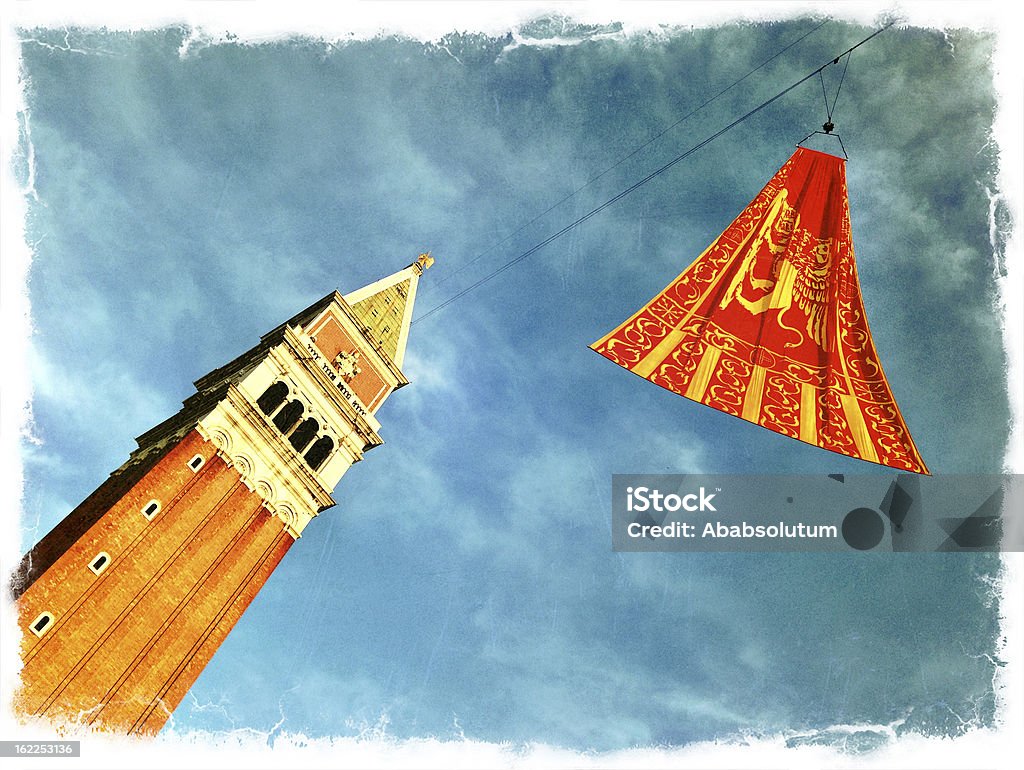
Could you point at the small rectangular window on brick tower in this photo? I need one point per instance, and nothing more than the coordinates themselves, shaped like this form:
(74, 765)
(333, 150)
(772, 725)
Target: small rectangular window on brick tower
(42, 623)
(100, 562)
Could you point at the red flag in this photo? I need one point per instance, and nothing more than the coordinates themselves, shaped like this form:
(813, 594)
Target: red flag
(768, 324)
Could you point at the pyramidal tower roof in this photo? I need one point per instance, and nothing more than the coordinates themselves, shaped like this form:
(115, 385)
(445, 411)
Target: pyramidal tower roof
(384, 307)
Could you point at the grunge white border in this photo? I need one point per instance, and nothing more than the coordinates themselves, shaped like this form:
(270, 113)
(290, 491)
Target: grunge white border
(262, 21)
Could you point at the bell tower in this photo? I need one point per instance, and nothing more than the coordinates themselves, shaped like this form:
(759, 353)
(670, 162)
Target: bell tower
(126, 600)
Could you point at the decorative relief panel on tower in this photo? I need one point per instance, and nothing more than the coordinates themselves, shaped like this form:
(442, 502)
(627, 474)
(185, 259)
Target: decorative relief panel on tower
(340, 351)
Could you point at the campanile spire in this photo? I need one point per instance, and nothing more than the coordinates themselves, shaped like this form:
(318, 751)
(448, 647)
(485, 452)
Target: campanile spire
(384, 308)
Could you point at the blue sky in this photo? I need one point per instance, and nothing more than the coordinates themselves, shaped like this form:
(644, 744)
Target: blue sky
(189, 199)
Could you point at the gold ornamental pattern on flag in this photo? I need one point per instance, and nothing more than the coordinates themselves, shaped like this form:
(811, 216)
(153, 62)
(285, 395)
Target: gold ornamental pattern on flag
(768, 324)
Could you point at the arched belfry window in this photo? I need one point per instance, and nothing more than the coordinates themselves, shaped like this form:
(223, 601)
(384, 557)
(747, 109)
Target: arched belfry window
(272, 398)
(319, 452)
(304, 434)
(289, 415)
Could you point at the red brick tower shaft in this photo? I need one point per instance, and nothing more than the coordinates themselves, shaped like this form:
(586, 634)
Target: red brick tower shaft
(126, 600)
